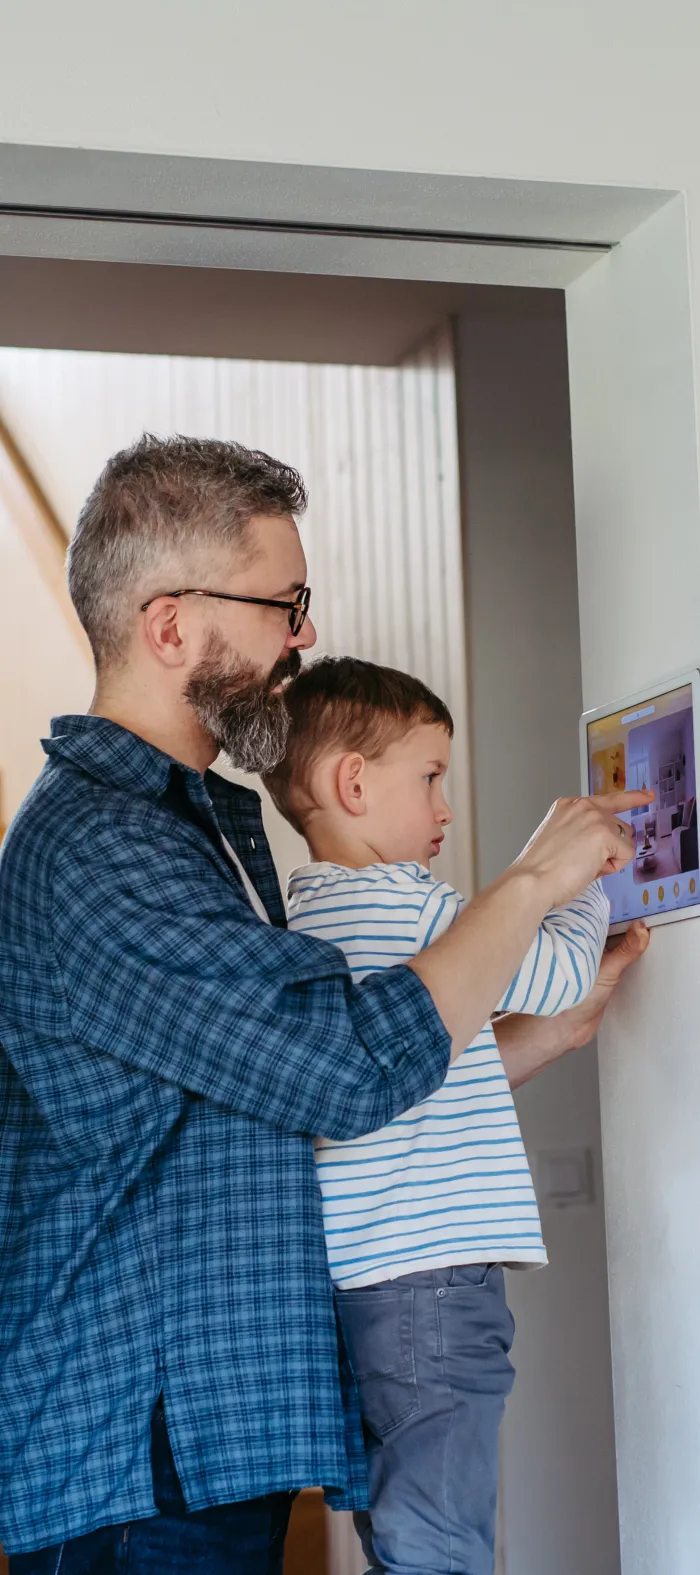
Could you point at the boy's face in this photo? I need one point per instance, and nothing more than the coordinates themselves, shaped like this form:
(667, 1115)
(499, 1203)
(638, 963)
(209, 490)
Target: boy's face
(406, 810)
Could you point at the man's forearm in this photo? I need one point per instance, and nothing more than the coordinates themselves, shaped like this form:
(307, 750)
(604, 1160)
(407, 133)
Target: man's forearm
(529, 1044)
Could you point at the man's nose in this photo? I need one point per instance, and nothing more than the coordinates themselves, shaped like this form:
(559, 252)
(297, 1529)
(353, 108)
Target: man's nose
(305, 639)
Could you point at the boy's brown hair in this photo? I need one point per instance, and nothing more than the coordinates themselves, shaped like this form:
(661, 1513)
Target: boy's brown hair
(341, 703)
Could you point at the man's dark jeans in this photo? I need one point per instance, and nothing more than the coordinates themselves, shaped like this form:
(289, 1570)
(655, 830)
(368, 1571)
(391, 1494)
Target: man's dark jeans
(230, 1539)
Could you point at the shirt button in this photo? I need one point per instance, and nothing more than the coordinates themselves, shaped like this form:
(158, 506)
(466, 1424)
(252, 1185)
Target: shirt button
(252, 843)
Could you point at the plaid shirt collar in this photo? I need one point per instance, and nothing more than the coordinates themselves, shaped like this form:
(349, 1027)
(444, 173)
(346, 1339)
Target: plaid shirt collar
(123, 761)
(120, 759)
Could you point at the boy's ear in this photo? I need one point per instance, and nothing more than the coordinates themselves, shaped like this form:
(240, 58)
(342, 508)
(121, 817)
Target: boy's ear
(352, 787)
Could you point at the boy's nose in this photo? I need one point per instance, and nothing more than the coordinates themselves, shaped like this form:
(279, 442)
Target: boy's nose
(445, 815)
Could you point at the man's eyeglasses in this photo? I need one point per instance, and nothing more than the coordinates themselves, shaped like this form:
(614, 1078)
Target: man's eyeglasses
(297, 610)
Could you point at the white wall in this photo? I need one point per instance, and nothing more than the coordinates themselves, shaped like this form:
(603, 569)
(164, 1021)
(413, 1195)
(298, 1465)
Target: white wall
(637, 500)
(603, 91)
(558, 1465)
(44, 667)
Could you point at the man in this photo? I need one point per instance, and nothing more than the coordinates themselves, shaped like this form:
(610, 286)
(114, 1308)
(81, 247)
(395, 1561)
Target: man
(170, 1371)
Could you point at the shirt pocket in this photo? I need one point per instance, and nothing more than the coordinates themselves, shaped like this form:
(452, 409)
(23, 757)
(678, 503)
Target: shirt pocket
(378, 1330)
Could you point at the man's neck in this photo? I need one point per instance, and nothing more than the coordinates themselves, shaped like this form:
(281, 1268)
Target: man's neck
(174, 730)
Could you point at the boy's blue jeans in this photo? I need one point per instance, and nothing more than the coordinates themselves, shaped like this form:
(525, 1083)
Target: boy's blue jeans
(430, 1356)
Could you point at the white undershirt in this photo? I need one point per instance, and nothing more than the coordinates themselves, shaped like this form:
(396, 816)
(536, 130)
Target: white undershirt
(255, 901)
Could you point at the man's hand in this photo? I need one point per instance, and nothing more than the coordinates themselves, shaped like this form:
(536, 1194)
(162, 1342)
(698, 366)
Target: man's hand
(529, 1044)
(579, 839)
(581, 1023)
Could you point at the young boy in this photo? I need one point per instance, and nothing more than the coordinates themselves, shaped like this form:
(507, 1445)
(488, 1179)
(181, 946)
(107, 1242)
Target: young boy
(421, 1216)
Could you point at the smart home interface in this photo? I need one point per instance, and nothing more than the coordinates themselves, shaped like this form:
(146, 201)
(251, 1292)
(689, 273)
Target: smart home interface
(651, 744)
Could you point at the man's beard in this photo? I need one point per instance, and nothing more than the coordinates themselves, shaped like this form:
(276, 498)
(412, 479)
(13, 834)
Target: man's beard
(236, 706)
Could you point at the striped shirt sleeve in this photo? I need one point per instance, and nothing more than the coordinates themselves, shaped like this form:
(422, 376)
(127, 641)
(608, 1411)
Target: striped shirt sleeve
(438, 912)
(562, 963)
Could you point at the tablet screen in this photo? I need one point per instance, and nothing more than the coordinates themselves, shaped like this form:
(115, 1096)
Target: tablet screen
(651, 745)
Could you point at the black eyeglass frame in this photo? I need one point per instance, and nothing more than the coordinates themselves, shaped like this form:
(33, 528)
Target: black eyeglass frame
(297, 610)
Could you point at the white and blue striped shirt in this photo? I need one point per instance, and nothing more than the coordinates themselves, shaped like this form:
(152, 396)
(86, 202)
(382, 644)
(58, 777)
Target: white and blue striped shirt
(448, 1182)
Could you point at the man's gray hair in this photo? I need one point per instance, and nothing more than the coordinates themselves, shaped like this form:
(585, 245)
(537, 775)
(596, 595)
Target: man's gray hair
(159, 506)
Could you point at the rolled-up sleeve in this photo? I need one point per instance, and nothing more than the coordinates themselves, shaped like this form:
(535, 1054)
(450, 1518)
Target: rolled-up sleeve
(562, 964)
(166, 969)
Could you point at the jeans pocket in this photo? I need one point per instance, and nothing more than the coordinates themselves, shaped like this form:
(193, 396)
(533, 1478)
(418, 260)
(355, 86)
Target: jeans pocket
(378, 1330)
(476, 1329)
(470, 1274)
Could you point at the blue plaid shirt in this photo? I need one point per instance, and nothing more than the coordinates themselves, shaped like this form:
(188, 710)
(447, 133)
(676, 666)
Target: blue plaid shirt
(165, 1059)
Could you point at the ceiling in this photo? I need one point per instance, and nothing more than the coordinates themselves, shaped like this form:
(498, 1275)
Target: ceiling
(51, 303)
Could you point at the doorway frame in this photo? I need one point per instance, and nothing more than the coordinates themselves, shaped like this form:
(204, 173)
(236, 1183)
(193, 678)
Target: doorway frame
(109, 206)
(621, 256)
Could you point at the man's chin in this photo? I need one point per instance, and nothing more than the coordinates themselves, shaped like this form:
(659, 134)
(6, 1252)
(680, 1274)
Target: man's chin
(284, 672)
(258, 745)
(243, 713)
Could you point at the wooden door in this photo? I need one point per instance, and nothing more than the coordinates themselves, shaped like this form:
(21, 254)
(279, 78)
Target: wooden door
(305, 1551)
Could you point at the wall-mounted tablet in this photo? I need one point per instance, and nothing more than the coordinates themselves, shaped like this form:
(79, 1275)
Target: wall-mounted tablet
(650, 740)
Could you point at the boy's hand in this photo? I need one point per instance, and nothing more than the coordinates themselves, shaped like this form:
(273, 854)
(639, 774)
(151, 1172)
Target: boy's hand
(580, 839)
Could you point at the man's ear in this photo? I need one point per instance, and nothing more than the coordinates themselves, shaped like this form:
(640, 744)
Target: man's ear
(352, 784)
(162, 631)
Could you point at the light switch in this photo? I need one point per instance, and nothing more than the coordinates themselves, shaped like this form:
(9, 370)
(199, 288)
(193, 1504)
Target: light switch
(564, 1177)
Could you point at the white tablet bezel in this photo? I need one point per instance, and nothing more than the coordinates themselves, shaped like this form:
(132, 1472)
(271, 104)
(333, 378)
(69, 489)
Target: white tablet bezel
(627, 703)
